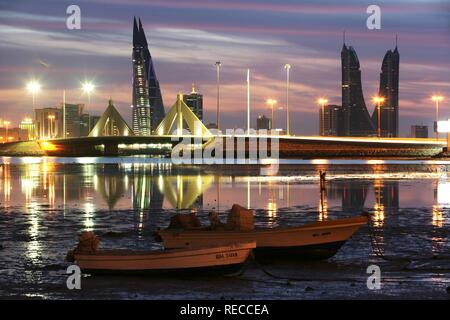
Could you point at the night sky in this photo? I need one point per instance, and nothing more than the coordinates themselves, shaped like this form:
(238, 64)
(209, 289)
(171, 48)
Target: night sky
(187, 37)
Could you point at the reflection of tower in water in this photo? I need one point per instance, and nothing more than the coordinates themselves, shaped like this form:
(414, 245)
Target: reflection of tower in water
(354, 195)
(146, 192)
(387, 200)
(5, 171)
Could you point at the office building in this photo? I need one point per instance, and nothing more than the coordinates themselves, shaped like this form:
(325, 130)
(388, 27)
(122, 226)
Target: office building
(147, 105)
(263, 123)
(330, 119)
(419, 131)
(194, 101)
(356, 120)
(48, 123)
(28, 125)
(389, 83)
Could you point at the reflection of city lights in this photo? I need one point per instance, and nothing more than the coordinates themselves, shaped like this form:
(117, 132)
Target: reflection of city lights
(33, 246)
(89, 213)
(438, 218)
(272, 209)
(378, 215)
(323, 210)
(7, 182)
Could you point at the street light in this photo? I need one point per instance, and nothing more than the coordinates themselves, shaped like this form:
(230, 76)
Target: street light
(33, 87)
(379, 100)
(287, 67)
(437, 99)
(88, 87)
(272, 103)
(322, 102)
(218, 65)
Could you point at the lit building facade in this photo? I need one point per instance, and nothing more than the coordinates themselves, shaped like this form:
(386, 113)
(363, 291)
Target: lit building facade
(194, 101)
(356, 120)
(8, 134)
(48, 123)
(28, 125)
(73, 113)
(329, 120)
(148, 107)
(389, 82)
(419, 131)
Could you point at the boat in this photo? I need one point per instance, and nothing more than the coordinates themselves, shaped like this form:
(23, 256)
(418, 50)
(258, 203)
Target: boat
(218, 259)
(317, 241)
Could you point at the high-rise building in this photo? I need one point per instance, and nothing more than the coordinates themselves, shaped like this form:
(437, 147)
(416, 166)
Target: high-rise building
(356, 119)
(389, 91)
(73, 120)
(148, 107)
(85, 124)
(330, 120)
(48, 123)
(194, 101)
(263, 123)
(419, 131)
(28, 125)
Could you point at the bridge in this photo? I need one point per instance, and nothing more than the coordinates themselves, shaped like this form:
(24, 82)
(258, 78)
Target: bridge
(111, 136)
(289, 146)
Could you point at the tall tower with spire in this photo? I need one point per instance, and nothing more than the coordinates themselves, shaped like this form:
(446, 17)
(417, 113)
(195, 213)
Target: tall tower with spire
(389, 83)
(356, 119)
(194, 101)
(148, 107)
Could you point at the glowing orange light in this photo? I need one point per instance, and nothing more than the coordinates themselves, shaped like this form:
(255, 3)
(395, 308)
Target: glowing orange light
(47, 146)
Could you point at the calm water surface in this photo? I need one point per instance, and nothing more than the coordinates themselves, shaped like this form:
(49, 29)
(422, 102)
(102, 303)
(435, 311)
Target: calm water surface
(46, 202)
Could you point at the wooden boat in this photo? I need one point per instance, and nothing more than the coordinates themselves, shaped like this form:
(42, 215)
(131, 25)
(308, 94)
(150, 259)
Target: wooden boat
(223, 258)
(320, 240)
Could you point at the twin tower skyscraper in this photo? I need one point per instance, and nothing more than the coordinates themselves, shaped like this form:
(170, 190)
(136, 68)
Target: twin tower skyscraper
(355, 119)
(148, 107)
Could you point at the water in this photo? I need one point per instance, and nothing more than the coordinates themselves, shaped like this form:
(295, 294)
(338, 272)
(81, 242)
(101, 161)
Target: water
(46, 202)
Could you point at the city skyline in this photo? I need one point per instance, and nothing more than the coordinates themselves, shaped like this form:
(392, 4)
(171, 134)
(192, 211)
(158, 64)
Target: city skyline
(313, 54)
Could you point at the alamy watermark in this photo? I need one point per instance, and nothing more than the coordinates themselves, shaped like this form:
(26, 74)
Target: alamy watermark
(374, 280)
(73, 21)
(373, 22)
(74, 279)
(235, 146)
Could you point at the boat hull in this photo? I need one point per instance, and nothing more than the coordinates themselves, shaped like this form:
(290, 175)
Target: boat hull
(307, 252)
(215, 259)
(315, 241)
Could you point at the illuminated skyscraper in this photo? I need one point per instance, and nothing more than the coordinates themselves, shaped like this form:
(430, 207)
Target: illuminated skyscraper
(356, 119)
(194, 101)
(148, 107)
(389, 90)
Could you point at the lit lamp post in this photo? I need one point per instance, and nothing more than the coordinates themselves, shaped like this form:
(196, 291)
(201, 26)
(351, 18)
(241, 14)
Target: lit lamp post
(322, 103)
(51, 119)
(88, 87)
(33, 87)
(6, 124)
(379, 101)
(437, 99)
(272, 103)
(218, 65)
(287, 67)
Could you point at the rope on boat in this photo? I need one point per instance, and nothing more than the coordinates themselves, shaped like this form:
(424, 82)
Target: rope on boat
(253, 260)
